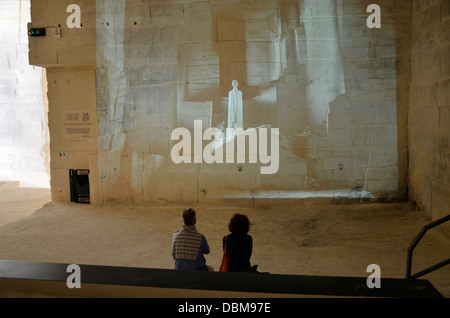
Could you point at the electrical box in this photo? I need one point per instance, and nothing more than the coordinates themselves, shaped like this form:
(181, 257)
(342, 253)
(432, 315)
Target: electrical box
(36, 32)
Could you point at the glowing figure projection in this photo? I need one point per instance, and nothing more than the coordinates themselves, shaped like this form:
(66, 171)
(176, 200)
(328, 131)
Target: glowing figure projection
(235, 110)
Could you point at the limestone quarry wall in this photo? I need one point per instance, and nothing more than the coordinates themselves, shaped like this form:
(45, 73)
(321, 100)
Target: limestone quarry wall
(429, 111)
(24, 154)
(69, 63)
(314, 70)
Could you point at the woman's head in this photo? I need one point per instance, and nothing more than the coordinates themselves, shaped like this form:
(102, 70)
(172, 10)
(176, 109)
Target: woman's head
(239, 224)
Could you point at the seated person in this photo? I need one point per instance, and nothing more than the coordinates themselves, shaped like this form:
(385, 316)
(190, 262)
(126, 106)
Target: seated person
(189, 246)
(239, 244)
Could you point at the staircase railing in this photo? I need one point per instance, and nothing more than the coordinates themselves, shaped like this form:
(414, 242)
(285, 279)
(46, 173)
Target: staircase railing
(414, 244)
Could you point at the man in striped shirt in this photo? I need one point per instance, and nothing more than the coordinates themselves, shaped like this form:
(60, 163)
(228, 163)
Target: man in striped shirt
(189, 246)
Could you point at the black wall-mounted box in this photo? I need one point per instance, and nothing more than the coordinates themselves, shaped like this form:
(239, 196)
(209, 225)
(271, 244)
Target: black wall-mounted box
(37, 32)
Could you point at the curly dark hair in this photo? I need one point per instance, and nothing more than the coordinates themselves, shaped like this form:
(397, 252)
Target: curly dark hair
(239, 224)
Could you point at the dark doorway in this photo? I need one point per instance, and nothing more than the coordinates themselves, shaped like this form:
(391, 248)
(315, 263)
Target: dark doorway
(79, 186)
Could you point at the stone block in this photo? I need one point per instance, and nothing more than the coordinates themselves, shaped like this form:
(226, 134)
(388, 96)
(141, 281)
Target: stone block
(62, 159)
(294, 168)
(354, 27)
(213, 184)
(137, 15)
(257, 30)
(231, 30)
(338, 163)
(424, 194)
(136, 56)
(240, 181)
(382, 186)
(197, 12)
(337, 120)
(358, 136)
(383, 158)
(155, 74)
(445, 5)
(47, 57)
(166, 14)
(386, 135)
(170, 54)
(284, 182)
(159, 141)
(382, 173)
(169, 188)
(140, 35)
(60, 185)
(233, 52)
(431, 167)
(71, 56)
(356, 118)
(445, 134)
(443, 92)
(138, 141)
(336, 138)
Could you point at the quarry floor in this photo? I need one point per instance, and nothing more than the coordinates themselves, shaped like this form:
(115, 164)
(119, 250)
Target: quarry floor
(311, 238)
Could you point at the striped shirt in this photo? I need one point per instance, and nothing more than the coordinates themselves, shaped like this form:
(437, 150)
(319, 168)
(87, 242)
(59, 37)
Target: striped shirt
(188, 247)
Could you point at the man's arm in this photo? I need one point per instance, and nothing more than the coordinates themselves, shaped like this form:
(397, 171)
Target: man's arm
(204, 246)
(173, 247)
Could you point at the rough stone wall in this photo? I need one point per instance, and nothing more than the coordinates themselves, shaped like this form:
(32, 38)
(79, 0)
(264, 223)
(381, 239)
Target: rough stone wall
(429, 112)
(73, 127)
(23, 124)
(312, 68)
(69, 63)
(76, 46)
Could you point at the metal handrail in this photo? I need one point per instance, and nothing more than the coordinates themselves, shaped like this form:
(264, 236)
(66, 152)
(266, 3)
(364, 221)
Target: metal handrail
(414, 244)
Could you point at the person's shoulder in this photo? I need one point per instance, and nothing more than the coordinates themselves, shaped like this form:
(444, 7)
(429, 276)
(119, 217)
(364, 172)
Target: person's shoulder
(238, 237)
(178, 231)
(203, 236)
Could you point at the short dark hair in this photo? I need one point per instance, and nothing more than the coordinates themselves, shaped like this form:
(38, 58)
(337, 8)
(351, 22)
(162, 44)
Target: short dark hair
(189, 217)
(239, 224)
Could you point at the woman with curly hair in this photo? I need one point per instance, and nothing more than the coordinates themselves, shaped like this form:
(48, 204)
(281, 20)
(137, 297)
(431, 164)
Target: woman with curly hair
(239, 244)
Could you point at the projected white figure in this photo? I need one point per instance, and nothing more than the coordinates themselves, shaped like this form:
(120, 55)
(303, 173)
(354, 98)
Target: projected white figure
(235, 116)
(235, 110)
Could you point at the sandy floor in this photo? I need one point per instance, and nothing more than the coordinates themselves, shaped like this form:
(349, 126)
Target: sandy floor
(310, 238)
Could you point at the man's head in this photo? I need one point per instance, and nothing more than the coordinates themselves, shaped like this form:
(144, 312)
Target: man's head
(189, 217)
